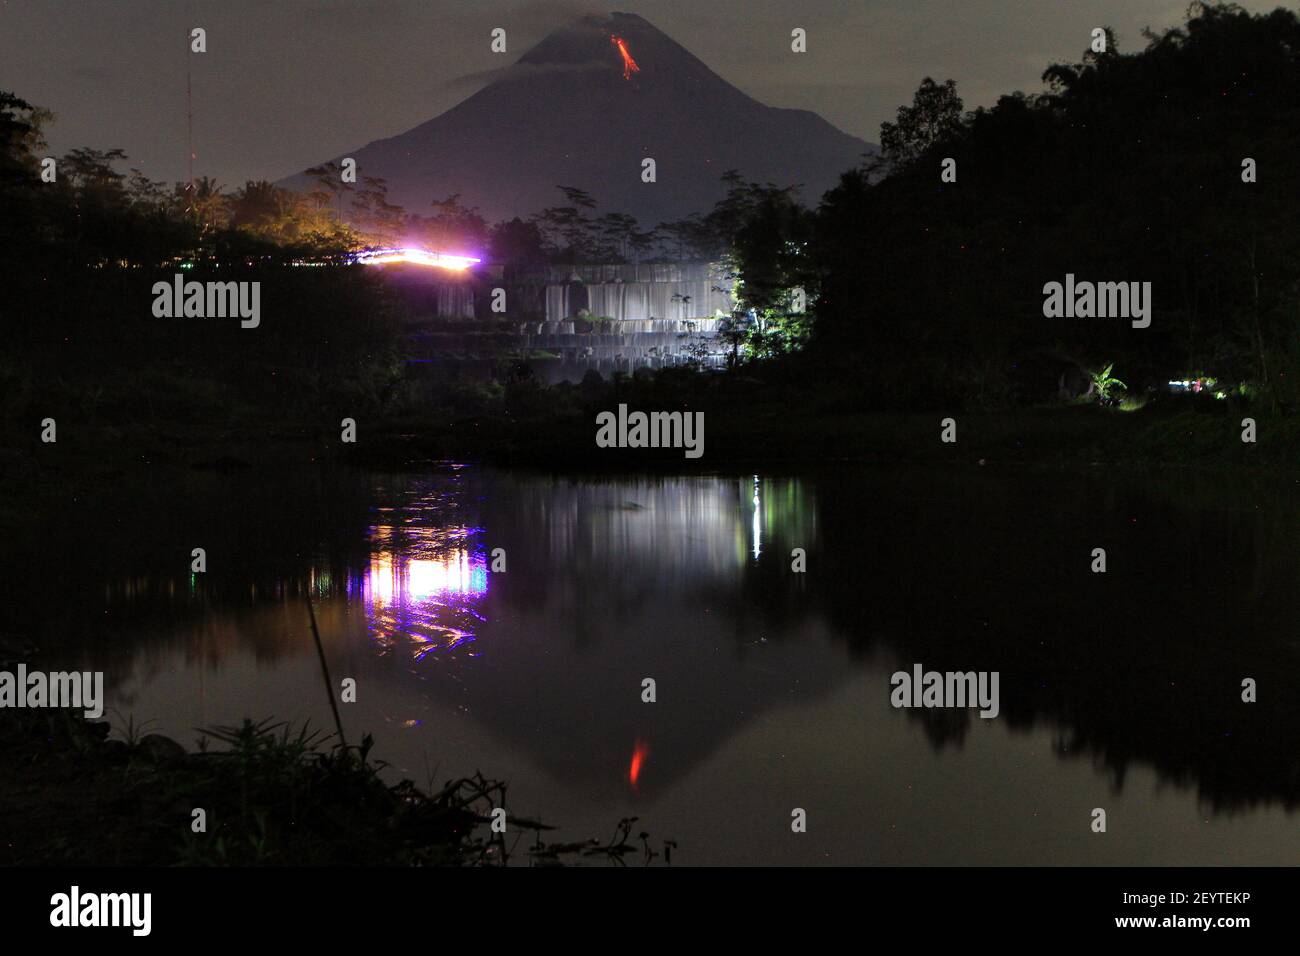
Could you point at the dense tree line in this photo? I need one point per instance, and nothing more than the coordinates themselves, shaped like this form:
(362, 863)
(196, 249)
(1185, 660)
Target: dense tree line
(92, 213)
(1126, 167)
(84, 243)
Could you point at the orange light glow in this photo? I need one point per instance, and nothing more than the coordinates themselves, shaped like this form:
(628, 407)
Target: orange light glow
(629, 64)
(639, 754)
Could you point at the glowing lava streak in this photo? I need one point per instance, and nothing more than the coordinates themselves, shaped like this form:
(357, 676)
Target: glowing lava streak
(639, 754)
(629, 64)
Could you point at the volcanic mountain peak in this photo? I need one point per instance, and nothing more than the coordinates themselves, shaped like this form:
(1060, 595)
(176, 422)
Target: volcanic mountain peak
(585, 106)
(583, 41)
(593, 41)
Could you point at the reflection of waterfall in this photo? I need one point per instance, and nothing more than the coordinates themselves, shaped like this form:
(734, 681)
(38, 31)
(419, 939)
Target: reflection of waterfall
(680, 532)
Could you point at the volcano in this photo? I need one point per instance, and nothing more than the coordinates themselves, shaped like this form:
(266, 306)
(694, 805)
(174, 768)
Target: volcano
(584, 108)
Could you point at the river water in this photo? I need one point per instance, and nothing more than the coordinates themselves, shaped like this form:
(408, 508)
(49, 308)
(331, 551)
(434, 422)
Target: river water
(1119, 690)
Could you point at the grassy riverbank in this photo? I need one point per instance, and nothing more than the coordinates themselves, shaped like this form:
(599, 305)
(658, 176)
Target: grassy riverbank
(270, 795)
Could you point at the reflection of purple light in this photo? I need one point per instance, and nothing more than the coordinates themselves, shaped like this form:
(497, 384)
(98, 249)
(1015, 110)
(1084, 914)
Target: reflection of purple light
(429, 600)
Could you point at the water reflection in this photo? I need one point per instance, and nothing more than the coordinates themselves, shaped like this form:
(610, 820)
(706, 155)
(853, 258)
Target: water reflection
(772, 685)
(640, 753)
(429, 601)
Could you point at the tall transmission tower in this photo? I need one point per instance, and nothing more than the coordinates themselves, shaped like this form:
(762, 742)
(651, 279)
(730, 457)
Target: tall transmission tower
(189, 120)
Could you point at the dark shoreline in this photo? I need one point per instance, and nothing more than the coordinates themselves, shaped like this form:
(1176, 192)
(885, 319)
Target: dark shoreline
(272, 796)
(81, 798)
(759, 437)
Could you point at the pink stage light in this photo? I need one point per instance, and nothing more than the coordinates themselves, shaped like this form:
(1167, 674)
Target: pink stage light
(418, 257)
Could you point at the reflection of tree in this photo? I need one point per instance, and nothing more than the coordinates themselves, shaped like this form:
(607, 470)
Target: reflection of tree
(1142, 664)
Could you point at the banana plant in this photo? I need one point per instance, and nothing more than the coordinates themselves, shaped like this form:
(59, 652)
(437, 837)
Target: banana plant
(1105, 384)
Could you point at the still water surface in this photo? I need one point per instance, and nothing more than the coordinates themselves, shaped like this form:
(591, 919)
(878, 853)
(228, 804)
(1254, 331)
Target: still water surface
(1119, 690)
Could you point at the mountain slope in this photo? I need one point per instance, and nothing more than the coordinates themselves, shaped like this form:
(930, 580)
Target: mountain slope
(565, 114)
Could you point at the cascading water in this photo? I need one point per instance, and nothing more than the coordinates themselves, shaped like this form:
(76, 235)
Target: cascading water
(607, 317)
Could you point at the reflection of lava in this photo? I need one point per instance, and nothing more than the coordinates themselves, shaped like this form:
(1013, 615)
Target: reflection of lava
(639, 754)
(629, 64)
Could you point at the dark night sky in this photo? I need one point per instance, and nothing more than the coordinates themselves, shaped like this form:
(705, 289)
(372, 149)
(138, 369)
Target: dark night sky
(288, 83)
